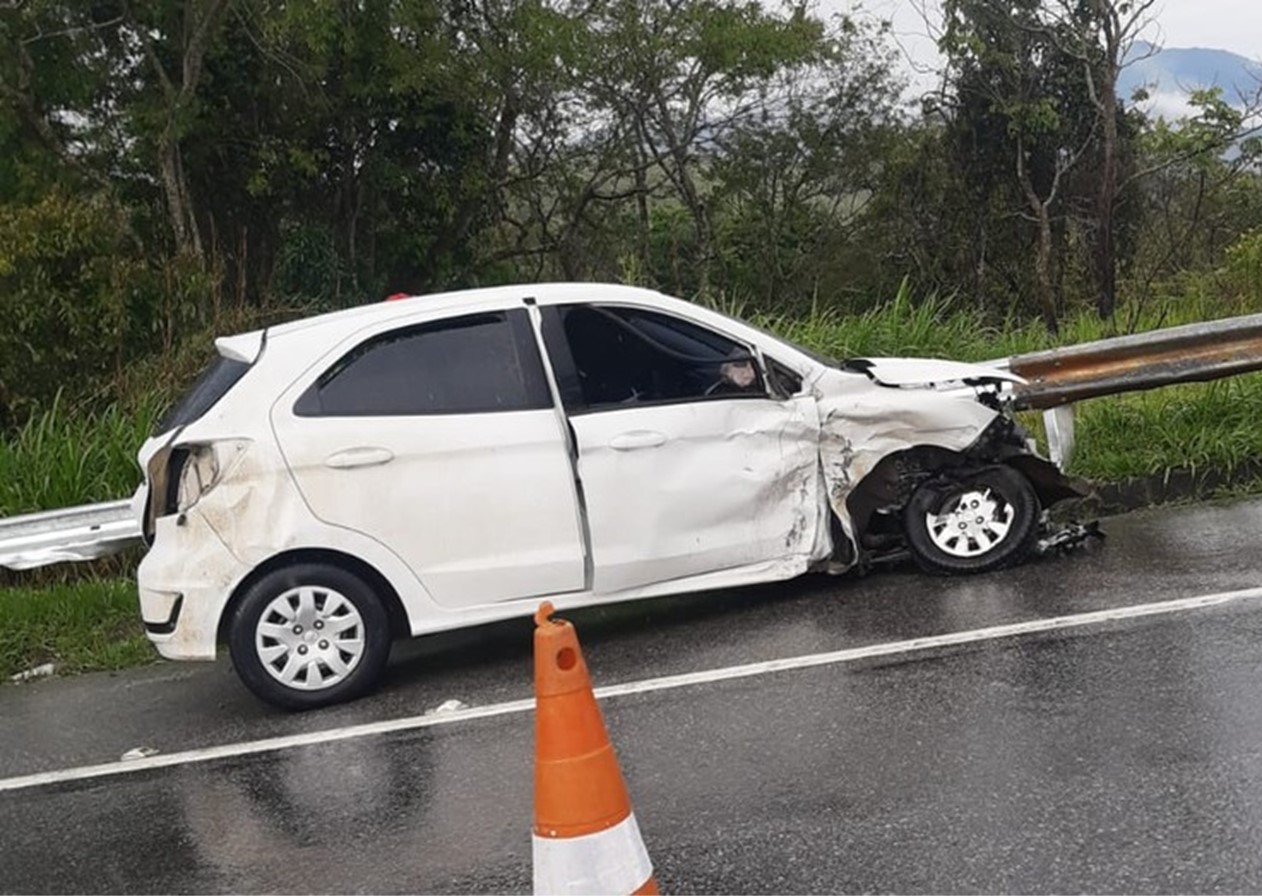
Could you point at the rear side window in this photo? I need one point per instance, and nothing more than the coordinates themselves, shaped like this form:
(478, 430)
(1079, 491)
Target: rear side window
(214, 383)
(467, 365)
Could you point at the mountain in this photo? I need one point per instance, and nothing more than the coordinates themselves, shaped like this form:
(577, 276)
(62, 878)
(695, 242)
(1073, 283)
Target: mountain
(1169, 73)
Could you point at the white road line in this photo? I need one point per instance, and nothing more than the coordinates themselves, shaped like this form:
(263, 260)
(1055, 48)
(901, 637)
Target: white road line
(894, 648)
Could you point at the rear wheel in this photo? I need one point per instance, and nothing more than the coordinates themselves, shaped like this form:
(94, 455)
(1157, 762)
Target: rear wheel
(981, 520)
(309, 635)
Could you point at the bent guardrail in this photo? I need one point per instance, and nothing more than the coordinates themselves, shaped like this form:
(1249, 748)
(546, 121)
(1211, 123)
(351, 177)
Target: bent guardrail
(1193, 353)
(73, 533)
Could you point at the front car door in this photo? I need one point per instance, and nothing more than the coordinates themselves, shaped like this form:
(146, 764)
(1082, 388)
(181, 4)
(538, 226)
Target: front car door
(441, 441)
(688, 464)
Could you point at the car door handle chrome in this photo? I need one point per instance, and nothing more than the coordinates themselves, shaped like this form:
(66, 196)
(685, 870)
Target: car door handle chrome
(359, 457)
(639, 438)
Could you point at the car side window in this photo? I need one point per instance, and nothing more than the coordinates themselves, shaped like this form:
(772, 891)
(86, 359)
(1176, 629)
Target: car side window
(478, 363)
(626, 356)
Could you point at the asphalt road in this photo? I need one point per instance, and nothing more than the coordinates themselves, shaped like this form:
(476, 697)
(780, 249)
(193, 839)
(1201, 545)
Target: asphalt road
(1120, 755)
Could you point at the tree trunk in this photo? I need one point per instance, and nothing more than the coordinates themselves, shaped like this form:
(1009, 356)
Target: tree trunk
(1040, 208)
(1106, 199)
(199, 27)
(680, 174)
(1043, 271)
(700, 218)
(642, 212)
(179, 203)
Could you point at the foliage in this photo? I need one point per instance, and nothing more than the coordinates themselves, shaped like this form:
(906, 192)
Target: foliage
(170, 168)
(62, 457)
(79, 628)
(78, 299)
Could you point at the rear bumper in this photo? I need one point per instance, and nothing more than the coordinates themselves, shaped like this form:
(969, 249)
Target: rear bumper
(185, 581)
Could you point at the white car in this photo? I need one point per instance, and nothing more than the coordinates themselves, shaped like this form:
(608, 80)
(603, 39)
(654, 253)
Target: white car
(449, 460)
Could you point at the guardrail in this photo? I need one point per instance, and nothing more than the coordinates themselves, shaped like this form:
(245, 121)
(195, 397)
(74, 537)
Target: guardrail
(1144, 361)
(1055, 380)
(73, 533)
(1194, 353)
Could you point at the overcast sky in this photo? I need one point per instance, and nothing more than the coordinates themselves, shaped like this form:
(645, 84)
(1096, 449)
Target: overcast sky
(1234, 25)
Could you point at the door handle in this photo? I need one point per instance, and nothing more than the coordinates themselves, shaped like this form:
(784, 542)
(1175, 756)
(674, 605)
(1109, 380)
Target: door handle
(639, 438)
(359, 457)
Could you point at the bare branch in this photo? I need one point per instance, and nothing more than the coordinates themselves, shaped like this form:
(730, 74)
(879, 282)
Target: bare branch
(72, 31)
(199, 43)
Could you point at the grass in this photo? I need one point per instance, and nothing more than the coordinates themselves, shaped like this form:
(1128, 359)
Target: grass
(79, 627)
(66, 456)
(1200, 426)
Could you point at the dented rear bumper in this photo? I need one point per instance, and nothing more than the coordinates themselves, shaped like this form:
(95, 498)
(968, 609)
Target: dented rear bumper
(184, 582)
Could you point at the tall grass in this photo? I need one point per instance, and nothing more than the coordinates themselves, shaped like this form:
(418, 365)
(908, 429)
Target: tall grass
(1198, 426)
(64, 456)
(944, 327)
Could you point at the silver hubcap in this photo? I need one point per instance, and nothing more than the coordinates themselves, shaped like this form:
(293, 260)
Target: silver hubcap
(971, 525)
(310, 638)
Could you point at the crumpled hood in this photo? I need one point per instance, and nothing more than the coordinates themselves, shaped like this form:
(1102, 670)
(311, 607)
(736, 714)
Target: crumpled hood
(910, 372)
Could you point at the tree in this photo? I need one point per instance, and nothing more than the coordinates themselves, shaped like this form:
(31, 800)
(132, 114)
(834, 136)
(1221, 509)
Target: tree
(55, 94)
(793, 188)
(1011, 91)
(1200, 186)
(1100, 35)
(682, 75)
(175, 36)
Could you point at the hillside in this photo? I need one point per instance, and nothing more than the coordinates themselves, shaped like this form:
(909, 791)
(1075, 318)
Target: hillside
(1170, 73)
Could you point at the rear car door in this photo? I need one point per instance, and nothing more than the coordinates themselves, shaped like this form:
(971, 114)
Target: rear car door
(441, 441)
(687, 466)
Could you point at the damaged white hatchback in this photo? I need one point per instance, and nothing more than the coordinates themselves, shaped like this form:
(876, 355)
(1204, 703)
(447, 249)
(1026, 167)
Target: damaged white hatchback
(449, 460)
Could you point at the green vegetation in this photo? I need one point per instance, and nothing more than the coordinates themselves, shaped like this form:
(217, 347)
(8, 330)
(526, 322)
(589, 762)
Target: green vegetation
(60, 458)
(80, 627)
(63, 456)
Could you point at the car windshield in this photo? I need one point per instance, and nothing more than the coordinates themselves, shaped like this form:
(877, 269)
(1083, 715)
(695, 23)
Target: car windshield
(826, 360)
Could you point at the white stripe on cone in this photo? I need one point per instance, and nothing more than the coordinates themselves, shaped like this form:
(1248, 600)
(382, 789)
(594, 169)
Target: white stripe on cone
(611, 861)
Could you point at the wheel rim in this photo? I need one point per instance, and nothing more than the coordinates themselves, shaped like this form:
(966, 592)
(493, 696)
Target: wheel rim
(310, 638)
(970, 525)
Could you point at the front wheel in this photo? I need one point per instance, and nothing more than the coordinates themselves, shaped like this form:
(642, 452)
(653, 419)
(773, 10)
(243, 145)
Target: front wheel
(309, 635)
(973, 522)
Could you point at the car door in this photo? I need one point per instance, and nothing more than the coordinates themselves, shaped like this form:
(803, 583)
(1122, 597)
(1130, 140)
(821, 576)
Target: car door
(687, 466)
(441, 441)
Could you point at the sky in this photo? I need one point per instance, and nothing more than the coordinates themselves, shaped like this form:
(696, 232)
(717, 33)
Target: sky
(1234, 25)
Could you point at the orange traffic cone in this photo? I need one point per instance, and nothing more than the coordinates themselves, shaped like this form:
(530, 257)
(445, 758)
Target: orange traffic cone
(585, 839)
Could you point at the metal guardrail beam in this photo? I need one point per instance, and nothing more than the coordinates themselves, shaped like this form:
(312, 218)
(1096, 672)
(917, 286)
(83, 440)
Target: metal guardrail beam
(73, 533)
(1191, 353)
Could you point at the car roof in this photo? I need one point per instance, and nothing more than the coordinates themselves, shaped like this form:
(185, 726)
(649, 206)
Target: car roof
(406, 306)
(335, 325)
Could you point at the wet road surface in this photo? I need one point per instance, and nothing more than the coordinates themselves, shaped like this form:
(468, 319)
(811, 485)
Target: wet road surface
(1124, 756)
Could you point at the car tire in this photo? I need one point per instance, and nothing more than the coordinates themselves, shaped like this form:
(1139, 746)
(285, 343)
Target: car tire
(309, 635)
(973, 522)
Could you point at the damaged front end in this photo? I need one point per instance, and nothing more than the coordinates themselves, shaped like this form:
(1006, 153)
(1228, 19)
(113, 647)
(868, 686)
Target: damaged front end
(923, 459)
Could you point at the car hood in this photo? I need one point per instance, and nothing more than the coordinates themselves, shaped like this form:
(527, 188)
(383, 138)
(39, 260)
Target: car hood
(927, 372)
